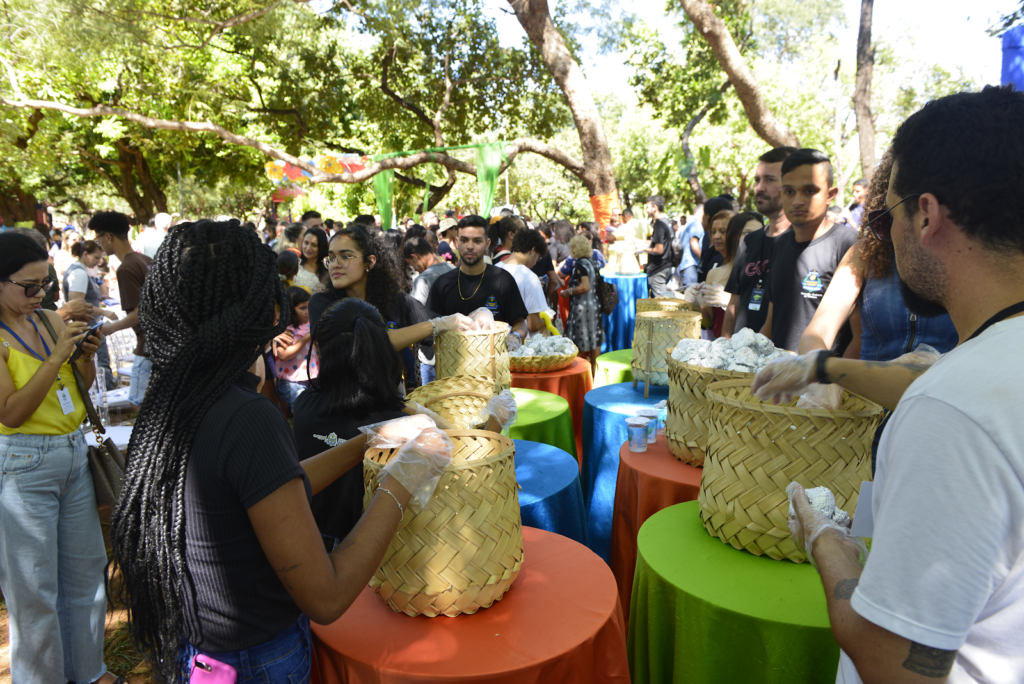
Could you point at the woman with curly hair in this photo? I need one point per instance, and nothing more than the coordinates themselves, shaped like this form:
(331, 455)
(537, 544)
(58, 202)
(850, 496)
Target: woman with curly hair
(213, 532)
(312, 272)
(867, 282)
(585, 325)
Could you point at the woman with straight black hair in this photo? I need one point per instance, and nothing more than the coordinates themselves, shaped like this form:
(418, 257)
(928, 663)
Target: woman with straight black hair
(220, 555)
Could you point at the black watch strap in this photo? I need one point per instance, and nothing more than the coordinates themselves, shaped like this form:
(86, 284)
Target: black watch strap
(819, 366)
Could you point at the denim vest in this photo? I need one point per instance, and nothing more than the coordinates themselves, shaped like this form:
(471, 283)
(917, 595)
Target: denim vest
(92, 293)
(890, 330)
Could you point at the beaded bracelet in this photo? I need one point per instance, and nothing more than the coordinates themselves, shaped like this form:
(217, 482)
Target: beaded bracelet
(388, 491)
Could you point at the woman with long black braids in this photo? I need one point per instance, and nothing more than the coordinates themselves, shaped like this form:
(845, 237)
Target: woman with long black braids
(213, 532)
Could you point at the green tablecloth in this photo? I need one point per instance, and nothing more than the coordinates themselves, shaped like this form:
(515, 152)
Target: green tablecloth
(545, 418)
(613, 368)
(704, 612)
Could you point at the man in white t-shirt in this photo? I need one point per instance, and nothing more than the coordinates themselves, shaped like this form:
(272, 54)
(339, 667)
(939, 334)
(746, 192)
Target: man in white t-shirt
(153, 236)
(941, 595)
(527, 247)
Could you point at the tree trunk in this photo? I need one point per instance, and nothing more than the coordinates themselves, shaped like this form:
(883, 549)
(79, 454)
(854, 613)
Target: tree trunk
(761, 119)
(699, 196)
(862, 91)
(598, 174)
(16, 205)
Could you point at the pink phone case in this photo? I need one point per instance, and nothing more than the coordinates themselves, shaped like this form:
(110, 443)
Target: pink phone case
(206, 670)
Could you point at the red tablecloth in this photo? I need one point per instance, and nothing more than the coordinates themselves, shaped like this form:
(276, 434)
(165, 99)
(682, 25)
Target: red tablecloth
(647, 483)
(571, 384)
(559, 622)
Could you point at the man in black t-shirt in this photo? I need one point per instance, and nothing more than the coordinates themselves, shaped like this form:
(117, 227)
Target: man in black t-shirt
(804, 259)
(749, 278)
(659, 254)
(476, 284)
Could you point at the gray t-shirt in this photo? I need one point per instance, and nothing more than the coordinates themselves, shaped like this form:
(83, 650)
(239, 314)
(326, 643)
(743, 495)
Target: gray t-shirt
(421, 284)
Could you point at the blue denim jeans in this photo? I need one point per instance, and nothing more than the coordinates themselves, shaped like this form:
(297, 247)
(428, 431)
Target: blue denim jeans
(427, 372)
(51, 559)
(141, 369)
(285, 659)
(289, 391)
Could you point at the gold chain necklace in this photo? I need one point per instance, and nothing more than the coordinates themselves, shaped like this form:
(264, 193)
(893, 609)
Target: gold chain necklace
(459, 283)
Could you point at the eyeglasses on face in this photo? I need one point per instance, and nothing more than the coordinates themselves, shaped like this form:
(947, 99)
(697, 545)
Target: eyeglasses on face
(32, 289)
(880, 221)
(342, 259)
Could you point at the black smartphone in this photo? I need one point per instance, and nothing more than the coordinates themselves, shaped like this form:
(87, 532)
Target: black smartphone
(78, 347)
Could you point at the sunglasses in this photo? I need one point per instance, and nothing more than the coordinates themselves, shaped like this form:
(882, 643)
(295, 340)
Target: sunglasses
(32, 289)
(880, 221)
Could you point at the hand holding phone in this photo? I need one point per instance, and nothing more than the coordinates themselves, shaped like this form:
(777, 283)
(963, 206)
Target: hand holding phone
(77, 354)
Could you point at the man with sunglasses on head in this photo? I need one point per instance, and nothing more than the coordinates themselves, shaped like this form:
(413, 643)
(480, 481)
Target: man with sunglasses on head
(805, 258)
(940, 597)
(111, 229)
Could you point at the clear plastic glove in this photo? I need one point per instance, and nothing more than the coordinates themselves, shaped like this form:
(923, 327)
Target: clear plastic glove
(394, 433)
(818, 396)
(714, 295)
(691, 293)
(514, 341)
(784, 379)
(924, 355)
(807, 524)
(419, 464)
(483, 318)
(456, 321)
(502, 408)
(422, 410)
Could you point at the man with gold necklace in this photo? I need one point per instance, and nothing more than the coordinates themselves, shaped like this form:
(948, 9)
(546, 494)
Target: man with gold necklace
(476, 284)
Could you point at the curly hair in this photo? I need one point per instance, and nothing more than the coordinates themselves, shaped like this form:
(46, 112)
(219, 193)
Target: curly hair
(877, 254)
(383, 282)
(580, 247)
(208, 310)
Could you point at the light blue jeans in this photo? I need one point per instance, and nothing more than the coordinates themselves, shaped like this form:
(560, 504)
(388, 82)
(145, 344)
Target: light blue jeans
(141, 368)
(51, 559)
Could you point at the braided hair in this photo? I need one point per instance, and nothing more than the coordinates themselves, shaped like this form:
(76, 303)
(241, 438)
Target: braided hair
(208, 310)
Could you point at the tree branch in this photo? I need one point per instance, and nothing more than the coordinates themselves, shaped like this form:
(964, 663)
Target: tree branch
(385, 64)
(446, 103)
(691, 177)
(33, 125)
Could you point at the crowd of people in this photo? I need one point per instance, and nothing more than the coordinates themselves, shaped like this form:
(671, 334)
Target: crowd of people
(236, 528)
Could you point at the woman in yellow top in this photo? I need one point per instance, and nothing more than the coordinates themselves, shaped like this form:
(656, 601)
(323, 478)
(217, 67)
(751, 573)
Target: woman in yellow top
(51, 548)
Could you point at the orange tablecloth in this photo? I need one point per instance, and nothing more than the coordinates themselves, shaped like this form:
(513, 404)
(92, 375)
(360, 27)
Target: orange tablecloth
(571, 384)
(647, 483)
(559, 622)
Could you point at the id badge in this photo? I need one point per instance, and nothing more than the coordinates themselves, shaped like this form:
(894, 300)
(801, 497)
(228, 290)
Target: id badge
(756, 297)
(64, 397)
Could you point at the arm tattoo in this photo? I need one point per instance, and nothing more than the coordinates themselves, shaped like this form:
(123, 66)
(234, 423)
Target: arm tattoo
(844, 589)
(928, 661)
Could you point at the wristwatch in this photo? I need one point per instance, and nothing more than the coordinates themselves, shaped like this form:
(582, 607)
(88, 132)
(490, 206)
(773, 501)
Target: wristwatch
(819, 366)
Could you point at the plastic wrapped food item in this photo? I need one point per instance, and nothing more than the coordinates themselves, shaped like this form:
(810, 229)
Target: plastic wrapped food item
(818, 396)
(423, 410)
(395, 433)
(483, 318)
(744, 352)
(818, 514)
(546, 346)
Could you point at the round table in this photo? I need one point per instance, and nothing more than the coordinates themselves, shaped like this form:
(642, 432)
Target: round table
(570, 383)
(543, 417)
(618, 326)
(559, 622)
(648, 482)
(605, 410)
(614, 367)
(551, 498)
(704, 612)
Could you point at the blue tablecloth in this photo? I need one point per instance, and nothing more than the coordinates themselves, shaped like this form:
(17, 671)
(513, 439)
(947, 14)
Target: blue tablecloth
(604, 430)
(551, 497)
(618, 327)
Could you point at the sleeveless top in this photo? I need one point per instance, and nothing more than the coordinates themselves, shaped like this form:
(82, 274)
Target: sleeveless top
(890, 330)
(92, 292)
(48, 419)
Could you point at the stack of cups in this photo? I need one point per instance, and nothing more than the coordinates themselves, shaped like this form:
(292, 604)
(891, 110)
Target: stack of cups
(637, 428)
(653, 427)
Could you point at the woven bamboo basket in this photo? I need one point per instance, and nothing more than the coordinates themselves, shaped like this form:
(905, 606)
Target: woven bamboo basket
(686, 427)
(463, 551)
(458, 398)
(656, 330)
(664, 304)
(540, 364)
(756, 449)
(475, 353)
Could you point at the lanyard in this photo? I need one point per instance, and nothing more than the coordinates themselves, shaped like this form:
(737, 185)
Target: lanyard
(29, 349)
(1002, 315)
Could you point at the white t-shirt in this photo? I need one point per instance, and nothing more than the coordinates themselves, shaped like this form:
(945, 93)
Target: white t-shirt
(78, 280)
(529, 287)
(946, 568)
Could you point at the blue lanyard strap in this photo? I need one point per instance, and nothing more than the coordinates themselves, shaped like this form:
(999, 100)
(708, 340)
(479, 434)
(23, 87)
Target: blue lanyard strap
(29, 349)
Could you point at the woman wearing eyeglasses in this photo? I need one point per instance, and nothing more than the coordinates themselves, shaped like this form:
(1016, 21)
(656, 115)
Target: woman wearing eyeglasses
(51, 549)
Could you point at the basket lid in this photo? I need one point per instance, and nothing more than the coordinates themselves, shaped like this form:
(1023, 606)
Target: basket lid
(737, 393)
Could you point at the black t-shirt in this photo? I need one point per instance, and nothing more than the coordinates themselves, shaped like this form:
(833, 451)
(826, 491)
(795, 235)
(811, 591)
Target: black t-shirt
(800, 275)
(543, 266)
(749, 270)
(709, 260)
(242, 452)
(337, 508)
(662, 236)
(498, 292)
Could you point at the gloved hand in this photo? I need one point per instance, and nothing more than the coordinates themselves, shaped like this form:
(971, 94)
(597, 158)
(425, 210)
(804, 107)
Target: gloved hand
(394, 433)
(456, 321)
(422, 410)
(515, 341)
(807, 524)
(484, 318)
(502, 408)
(818, 396)
(714, 295)
(691, 293)
(783, 379)
(924, 355)
(419, 464)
